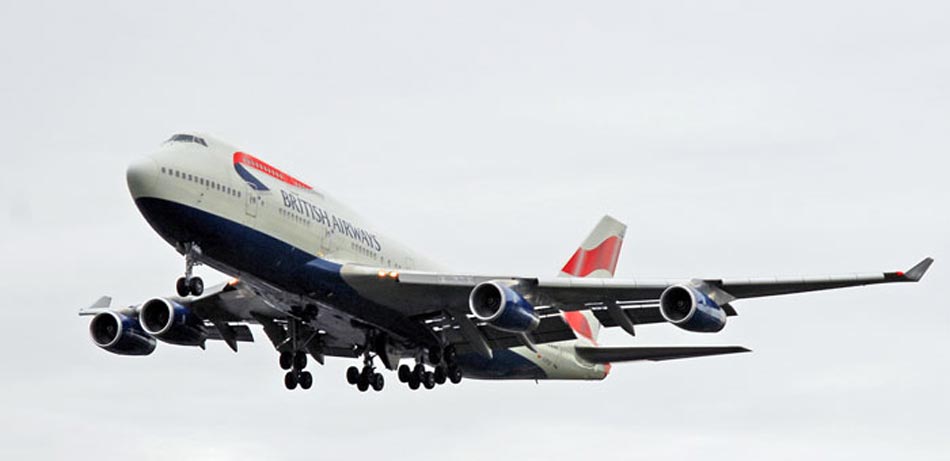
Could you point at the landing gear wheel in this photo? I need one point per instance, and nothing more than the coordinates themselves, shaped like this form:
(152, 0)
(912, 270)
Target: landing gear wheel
(419, 371)
(455, 375)
(404, 373)
(181, 286)
(428, 380)
(378, 382)
(290, 380)
(196, 286)
(363, 383)
(300, 360)
(413, 381)
(450, 355)
(352, 375)
(286, 360)
(305, 379)
(440, 375)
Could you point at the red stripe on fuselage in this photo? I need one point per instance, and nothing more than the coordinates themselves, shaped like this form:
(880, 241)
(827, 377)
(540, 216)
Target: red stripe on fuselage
(262, 166)
(603, 256)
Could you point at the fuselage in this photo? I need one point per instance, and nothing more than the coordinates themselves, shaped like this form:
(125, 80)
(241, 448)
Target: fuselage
(260, 224)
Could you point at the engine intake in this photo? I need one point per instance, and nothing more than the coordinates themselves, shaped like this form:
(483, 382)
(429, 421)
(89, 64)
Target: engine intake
(691, 309)
(172, 323)
(120, 334)
(502, 308)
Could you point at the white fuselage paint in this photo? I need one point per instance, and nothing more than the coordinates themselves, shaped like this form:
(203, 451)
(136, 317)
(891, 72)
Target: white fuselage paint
(203, 177)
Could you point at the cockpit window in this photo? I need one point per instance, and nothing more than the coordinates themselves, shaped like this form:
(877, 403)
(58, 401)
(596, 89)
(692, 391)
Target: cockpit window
(187, 138)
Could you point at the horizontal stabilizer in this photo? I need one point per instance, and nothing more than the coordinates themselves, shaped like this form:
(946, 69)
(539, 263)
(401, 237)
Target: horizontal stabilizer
(652, 353)
(917, 272)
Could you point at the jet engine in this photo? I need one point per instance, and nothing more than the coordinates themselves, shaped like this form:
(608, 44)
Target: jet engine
(120, 334)
(502, 307)
(172, 323)
(691, 309)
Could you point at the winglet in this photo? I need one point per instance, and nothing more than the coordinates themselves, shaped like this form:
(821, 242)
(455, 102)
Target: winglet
(100, 305)
(917, 272)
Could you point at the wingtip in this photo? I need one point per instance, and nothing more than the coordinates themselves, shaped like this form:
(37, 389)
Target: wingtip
(917, 272)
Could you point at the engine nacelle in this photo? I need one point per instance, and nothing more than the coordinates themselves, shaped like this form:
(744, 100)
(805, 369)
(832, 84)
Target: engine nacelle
(692, 310)
(120, 334)
(172, 323)
(502, 307)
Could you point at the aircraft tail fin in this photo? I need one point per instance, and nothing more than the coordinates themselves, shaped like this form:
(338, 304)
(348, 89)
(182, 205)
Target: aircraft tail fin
(596, 258)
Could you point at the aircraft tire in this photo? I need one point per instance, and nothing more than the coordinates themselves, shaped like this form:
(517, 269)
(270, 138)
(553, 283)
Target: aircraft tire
(196, 286)
(352, 375)
(404, 373)
(428, 380)
(378, 382)
(286, 360)
(305, 379)
(290, 380)
(300, 360)
(181, 286)
(455, 375)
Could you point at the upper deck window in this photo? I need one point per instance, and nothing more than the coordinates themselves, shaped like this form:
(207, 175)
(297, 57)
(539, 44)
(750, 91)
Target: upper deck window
(187, 138)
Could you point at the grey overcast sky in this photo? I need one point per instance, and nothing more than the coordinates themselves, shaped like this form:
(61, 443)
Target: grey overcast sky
(735, 138)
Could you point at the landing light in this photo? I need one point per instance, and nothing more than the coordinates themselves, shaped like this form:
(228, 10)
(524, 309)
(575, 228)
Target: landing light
(393, 275)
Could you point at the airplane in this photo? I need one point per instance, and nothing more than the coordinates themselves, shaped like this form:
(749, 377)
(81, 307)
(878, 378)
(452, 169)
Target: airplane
(320, 283)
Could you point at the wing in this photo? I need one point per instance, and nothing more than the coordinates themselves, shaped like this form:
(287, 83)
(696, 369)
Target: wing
(426, 293)
(652, 353)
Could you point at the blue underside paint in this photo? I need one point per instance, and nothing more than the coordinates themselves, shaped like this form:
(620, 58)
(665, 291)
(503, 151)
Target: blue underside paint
(293, 270)
(504, 364)
(296, 271)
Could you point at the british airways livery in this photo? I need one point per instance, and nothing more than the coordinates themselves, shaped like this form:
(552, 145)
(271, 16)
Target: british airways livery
(320, 282)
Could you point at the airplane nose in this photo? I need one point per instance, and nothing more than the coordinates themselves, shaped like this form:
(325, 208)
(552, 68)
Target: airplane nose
(142, 176)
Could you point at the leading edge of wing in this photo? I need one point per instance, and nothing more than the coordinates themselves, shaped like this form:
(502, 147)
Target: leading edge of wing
(652, 353)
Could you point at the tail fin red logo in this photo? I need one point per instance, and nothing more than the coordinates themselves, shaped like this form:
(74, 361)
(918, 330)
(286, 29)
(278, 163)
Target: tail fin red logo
(596, 257)
(603, 256)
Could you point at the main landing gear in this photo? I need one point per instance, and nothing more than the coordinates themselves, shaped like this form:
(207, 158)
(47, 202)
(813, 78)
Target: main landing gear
(295, 362)
(367, 377)
(293, 356)
(189, 285)
(445, 370)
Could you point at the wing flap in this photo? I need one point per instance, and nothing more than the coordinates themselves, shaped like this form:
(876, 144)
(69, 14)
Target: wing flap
(652, 353)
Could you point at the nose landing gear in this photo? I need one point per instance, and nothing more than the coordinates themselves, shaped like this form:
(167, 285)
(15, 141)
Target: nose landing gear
(189, 285)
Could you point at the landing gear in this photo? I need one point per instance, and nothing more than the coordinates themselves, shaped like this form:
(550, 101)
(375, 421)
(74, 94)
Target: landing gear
(305, 379)
(367, 377)
(455, 374)
(428, 380)
(189, 285)
(295, 363)
(290, 380)
(439, 375)
(352, 375)
(300, 360)
(286, 360)
(414, 381)
(444, 369)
